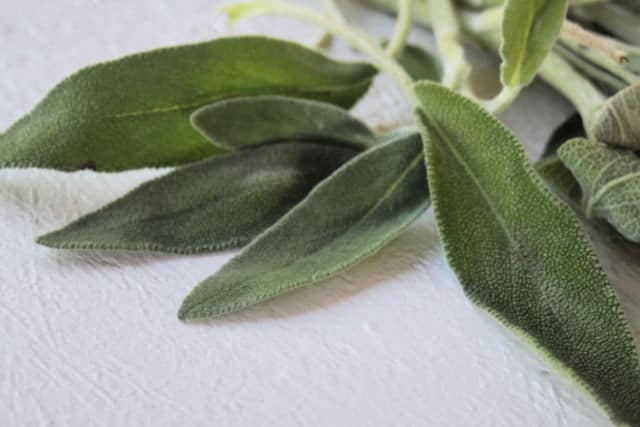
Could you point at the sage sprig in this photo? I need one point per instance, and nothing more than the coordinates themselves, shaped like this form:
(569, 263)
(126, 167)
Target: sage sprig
(269, 158)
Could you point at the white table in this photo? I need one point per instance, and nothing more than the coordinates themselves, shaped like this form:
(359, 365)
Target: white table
(93, 339)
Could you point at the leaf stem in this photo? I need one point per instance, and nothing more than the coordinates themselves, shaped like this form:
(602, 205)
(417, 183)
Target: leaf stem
(357, 38)
(402, 29)
(554, 70)
(448, 34)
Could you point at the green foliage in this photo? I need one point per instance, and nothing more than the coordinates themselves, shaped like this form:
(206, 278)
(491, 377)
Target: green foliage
(134, 112)
(218, 203)
(278, 118)
(345, 219)
(529, 30)
(521, 254)
(618, 122)
(420, 64)
(610, 182)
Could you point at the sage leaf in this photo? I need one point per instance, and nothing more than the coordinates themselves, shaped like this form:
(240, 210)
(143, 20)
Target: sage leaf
(218, 203)
(241, 122)
(521, 254)
(419, 63)
(346, 218)
(529, 30)
(559, 179)
(134, 112)
(610, 182)
(618, 121)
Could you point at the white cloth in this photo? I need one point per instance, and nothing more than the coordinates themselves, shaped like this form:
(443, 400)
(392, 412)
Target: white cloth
(93, 339)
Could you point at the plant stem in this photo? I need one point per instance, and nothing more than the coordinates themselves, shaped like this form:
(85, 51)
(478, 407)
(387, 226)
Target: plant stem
(614, 18)
(554, 70)
(602, 51)
(448, 34)
(402, 30)
(357, 38)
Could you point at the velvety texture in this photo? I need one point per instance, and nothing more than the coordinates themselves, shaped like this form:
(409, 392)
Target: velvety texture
(610, 182)
(134, 112)
(618, 122)
(345, 219)
(521, 254)
(219, 203)
(242, 122)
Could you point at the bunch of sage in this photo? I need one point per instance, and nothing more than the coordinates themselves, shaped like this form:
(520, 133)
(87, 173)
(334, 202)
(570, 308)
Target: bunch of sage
(268, 158)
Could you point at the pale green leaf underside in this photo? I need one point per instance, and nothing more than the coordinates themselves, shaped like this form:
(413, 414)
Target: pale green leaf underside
(618, 122)
(529, 30)
(242, 122)
(134, 112)
(346, 218)
(610, 182)
(521, 254)
(218, 203)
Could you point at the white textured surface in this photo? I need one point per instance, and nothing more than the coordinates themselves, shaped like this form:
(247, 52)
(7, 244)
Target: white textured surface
(93, 340)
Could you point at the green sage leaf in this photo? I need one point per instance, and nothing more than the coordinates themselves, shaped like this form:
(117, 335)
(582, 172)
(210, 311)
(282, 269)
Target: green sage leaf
(241, 122)
(345, 219)
(529, 30)
(218, 203)
(610, 182)
(134, 112)
(618, 122)
(419, 63)
(521, 254)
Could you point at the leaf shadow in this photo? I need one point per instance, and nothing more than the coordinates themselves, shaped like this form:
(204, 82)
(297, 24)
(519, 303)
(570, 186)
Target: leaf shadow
(415, 248)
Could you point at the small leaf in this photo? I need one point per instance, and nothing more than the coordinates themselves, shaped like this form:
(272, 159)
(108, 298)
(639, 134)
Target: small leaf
(529, 30)
(560, 181)
(241, 122)
(521, 254)
(134, 112)
(570, 128)
(618, 122)
(345, 219)
(610, 182)
(218, 203)
(419, 63)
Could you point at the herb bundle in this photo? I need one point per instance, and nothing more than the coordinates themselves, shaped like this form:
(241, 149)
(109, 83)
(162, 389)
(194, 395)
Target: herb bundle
(267, 158)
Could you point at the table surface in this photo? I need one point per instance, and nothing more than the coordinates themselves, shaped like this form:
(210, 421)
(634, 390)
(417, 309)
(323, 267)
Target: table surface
(92, 339)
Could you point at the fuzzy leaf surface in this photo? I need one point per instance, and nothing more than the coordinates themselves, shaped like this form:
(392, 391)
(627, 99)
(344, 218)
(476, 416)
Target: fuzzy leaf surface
(610, 182)
(134, 112)
(218, 203)
(521, 254)
(618, 122)
(346, 218)
(242, 122)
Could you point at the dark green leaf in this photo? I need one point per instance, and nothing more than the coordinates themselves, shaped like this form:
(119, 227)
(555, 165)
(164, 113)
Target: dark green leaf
(419, 64)
(618, 122)
(570, 128)
(345, 219)
(134, 112)
(218, 203)
(529, 30)
(610, 182)
(241, 122)
(521, 254)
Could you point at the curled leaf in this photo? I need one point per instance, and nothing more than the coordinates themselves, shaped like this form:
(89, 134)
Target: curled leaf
(618, 122)
(134, 112)
(242, 122)
(521, 254)
(346, 218)
(610, 182)
(218, 203)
